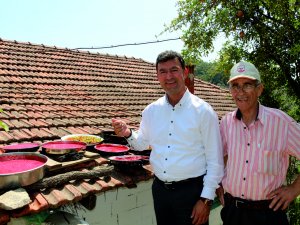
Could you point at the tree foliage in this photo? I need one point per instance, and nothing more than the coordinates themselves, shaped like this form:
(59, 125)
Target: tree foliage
(267, 33)
(2, 124)
(209, 71)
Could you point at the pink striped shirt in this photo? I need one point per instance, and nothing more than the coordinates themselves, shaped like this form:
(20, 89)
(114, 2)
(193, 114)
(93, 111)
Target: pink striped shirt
(258, 156)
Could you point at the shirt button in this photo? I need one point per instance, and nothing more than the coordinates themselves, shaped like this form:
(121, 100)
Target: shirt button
(246, 161)
(248, 144)
(242, 195)
(169, 146)
(170, 134)
(164, 171)
(245, 128)
(166, 159)
(244, 178)
(172, 121)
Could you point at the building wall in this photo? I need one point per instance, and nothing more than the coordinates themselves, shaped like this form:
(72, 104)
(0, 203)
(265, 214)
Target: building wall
(123, 206)
(126, 206)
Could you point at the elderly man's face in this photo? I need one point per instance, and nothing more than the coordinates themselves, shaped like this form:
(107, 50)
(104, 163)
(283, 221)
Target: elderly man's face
(245, 93)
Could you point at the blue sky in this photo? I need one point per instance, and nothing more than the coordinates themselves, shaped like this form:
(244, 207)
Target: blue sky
(92, 23)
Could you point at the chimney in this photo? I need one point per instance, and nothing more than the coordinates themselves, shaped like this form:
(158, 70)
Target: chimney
(189, 81)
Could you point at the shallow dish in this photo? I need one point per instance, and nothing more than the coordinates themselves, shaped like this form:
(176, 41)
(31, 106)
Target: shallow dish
(112, 149)
(63, 147)
(88, 139)
(21, 169)
(21, 147)
(130, 160)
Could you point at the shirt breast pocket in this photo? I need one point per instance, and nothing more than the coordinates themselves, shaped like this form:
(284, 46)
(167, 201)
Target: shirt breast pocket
(269, 162)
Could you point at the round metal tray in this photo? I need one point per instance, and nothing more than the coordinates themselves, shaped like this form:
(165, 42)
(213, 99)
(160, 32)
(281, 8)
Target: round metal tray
(63, 147)
(21, 173)
(21, 147)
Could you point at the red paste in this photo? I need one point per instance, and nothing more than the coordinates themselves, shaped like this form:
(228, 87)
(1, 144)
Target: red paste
(62, 146)
(112, 148)
(20, 146)
(18, 165)
(128, 158)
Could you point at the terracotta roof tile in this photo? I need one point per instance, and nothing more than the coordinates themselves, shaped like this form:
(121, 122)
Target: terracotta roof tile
(55, 197)
(37, 205)
(104, 186)
(85, 188)
(5, 137)
(71, 193)
(4, 217)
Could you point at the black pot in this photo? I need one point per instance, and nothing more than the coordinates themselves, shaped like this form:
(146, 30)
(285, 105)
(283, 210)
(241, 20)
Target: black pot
(143, 152)
(111, 137)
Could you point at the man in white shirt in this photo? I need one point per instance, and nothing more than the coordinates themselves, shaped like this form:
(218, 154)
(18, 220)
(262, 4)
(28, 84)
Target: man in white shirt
(186, 157)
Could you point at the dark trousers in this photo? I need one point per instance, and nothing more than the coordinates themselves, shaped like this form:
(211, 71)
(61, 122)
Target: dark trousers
(232, 215)
(174, 206)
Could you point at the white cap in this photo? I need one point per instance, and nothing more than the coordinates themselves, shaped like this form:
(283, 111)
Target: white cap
(244, 70)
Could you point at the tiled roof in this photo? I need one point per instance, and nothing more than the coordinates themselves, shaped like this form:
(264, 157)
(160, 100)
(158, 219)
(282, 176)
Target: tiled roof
(48, 92)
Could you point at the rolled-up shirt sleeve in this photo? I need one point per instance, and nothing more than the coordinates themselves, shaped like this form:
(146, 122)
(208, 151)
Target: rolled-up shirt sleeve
(210, 133)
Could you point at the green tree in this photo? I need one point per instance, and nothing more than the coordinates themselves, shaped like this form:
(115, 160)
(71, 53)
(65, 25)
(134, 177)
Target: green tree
(210, 72)
(202, 70)
(268, 32)
(2, 124)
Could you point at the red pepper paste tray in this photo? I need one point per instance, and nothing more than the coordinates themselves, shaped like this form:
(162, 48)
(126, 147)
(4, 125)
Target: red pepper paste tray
(111, 149)
(130, 160)
(21, 169)
(63, 147)
(20, 147)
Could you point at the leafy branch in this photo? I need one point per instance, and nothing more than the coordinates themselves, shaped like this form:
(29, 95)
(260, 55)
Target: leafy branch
(2, 124)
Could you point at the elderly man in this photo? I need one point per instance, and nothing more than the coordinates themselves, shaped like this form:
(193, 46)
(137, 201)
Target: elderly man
(257, 143)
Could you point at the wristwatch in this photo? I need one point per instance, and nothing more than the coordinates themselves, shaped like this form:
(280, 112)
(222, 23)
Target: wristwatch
(129, 134)
(206, 201)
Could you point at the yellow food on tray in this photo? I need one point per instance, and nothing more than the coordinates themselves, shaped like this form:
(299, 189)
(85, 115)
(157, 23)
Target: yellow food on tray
(86, 138)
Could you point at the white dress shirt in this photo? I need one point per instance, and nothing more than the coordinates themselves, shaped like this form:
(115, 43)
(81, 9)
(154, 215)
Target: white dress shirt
(185, 141)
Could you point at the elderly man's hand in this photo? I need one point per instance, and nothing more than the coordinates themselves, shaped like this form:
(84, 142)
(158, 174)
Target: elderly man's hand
(220, 194)
(283, 196)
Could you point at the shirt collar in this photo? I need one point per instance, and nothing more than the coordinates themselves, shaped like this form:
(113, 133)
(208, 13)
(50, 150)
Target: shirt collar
(182, 101)
(259, 116)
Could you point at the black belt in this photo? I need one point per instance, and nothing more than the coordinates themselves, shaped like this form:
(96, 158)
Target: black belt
(172, 185)
(246, 204)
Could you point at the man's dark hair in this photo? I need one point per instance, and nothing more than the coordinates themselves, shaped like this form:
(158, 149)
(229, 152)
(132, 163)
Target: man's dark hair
(168, 55)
